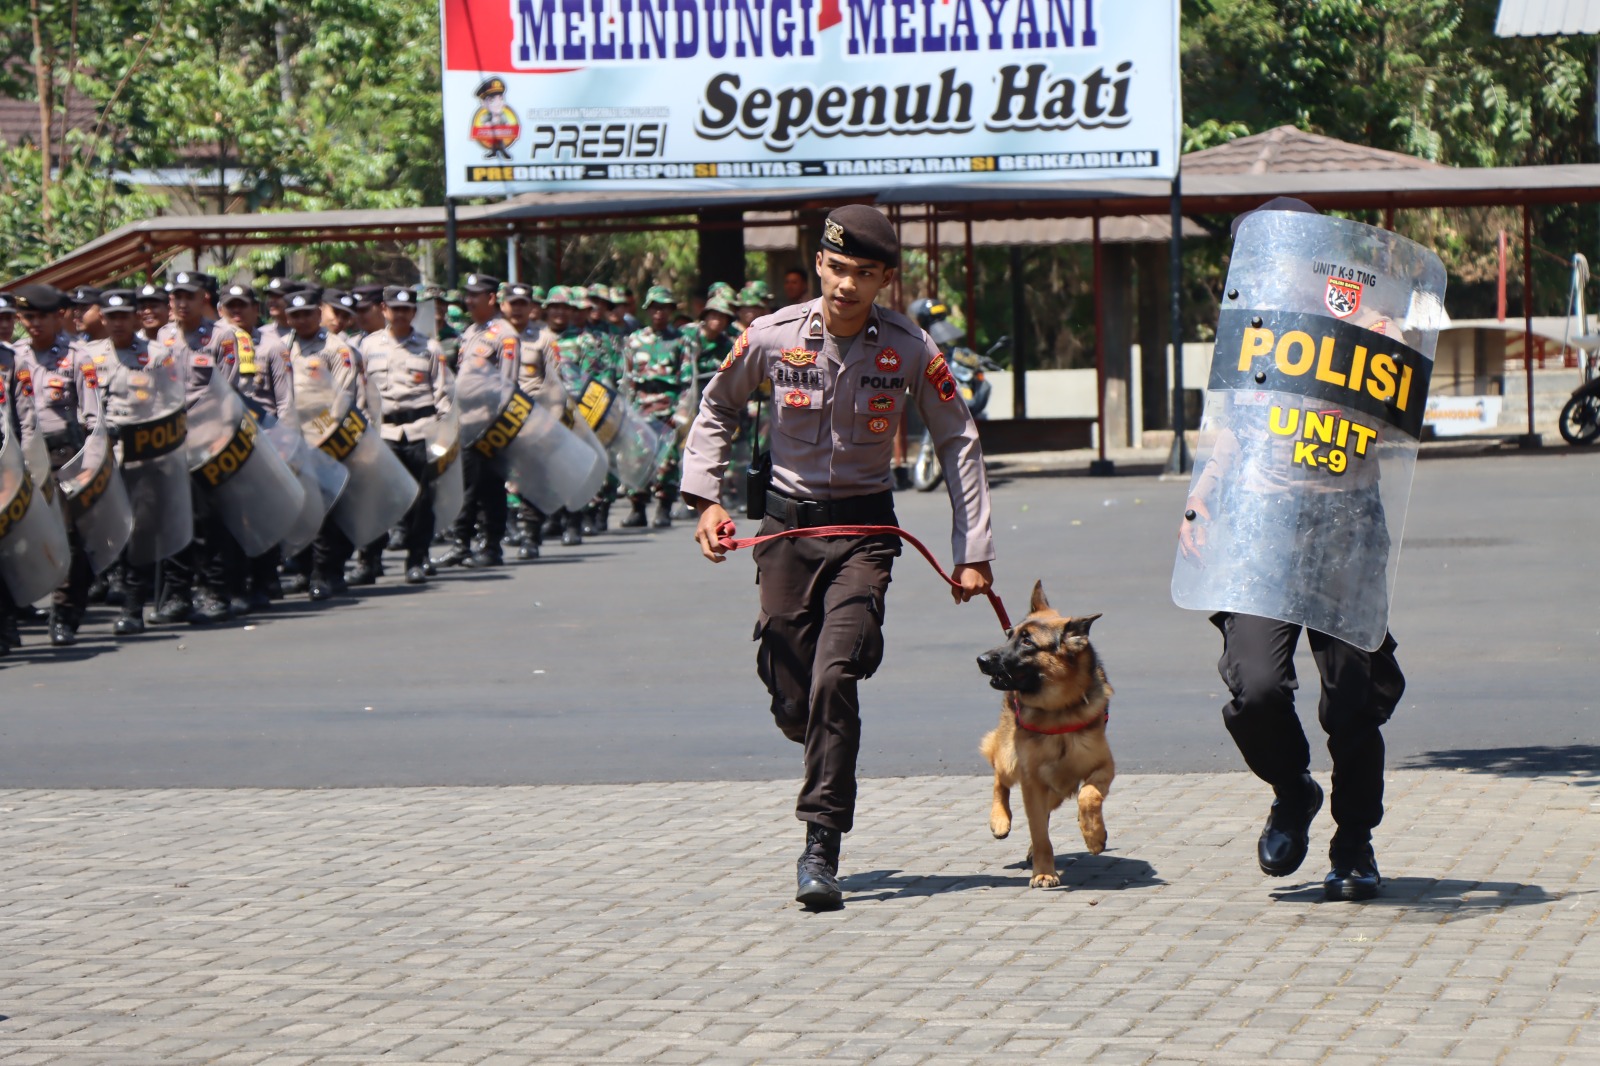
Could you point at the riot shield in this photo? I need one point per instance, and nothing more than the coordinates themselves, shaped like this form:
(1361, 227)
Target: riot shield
(252, 489)
(444, 463)
(544, 463)
(321, 479)
(34, 555)
(155, 467)
(380, 489)
(636, 447)
(96, 500)
(597, 471)
(1315, 401)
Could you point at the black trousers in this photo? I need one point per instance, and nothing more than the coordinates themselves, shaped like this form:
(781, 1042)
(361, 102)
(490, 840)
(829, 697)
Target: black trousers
(70, 601)
(821, 633)
(417, 525)
(1360, 691)
(330, 551)
(531, 520)
(486, 495)
(213, 559)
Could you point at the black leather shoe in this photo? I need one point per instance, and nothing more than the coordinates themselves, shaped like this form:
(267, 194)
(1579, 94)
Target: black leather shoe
(527, 550)
(429, 569)
(817, 871)
(319, 589)
(210, 609)
(636, 518)
(364, 573)
(1283, 843)
(455, 556)
(416, 576)
(129, 624)
(173, 609)
(296, 584)
(63, 635)
(601, 518)
(484, 559)
(573, 534)
(1354, 876)
(663, 518)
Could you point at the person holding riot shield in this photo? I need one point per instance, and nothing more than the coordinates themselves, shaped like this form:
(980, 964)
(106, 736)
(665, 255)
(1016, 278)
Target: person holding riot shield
(538, 375)
(1317, 389)
(490, 341)
(60, 376)
(407, 368)
(16, 421)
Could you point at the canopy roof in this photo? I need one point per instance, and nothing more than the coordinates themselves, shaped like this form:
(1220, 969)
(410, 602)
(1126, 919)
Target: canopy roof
(1547, 18)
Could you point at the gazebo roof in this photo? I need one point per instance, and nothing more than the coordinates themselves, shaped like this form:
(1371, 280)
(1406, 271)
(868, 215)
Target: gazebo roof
(1288, 150)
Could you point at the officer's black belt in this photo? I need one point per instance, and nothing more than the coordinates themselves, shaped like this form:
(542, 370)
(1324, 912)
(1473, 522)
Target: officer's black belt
(874, 509)
(416, 414)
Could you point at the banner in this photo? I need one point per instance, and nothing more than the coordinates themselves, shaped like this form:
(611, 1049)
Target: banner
(1455, 416)
(559, 95)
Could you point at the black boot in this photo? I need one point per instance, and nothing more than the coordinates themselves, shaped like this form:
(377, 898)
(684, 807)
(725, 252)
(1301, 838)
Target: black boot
(455, 556)
(817, 872)
(1354, 876)
(1283, 843)
(63, 630)
(174, 608)
(131, 621)
(554, 524)
(602, 516)
(209, 609)
(573, 534)
(365, 572)
(663, 518)
(636, 518)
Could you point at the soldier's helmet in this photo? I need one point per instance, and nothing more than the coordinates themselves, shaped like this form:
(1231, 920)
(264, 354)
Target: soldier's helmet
(752, 295)
(720, 288)
(722, 305)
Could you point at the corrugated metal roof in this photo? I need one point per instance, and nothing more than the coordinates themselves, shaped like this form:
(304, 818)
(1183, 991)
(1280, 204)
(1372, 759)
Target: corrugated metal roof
(1546, 18)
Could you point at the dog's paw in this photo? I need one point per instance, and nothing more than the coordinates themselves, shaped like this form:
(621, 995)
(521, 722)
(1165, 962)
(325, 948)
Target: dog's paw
(1096, 842)
(1000, 827)
(1050, 880)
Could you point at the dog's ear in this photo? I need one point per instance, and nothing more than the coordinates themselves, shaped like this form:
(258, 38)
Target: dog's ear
(1038, 603)
(1079, 627)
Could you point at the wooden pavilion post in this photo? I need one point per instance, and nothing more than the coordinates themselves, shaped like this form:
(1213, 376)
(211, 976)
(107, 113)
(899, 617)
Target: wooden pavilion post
(1101, 467)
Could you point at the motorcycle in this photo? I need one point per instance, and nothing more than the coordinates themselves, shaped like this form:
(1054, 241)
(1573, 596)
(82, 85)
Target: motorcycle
(968, 368)
(1580, 417)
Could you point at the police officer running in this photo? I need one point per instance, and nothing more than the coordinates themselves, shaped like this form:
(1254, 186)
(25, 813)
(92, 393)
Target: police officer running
(843, 373)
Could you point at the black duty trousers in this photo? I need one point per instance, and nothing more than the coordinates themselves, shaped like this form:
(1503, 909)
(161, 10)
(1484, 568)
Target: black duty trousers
(213, 559)
(1360, 690)
(821, 632)
(417, 525)
(486, 492)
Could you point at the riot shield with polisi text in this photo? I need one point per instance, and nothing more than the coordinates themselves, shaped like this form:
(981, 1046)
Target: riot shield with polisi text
(249, 485)
(540, 459)
(34, 553)
(380, 489)
(95, 500)
(636, 446)
(1314, 406)
(155, 466)
(447, 487)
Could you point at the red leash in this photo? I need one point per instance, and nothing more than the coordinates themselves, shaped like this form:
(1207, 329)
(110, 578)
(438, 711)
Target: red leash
(726, 531)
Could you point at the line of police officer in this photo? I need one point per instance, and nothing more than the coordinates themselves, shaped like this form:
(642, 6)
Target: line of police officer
(211, 461)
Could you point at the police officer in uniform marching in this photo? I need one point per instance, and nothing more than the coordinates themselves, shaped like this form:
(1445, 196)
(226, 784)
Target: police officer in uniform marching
(16, 417)
(539, 376)
(843, 373)
(153, 306)
(493, 339)
(407, 368)
(59, 376)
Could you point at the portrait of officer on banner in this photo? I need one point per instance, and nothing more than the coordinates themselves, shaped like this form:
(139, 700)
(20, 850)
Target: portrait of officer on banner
(495, 125)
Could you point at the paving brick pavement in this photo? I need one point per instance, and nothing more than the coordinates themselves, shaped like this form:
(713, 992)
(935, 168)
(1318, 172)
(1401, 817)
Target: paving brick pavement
(652, 924)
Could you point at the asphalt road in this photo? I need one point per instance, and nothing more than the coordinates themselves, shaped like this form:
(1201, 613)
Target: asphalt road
(629, 659)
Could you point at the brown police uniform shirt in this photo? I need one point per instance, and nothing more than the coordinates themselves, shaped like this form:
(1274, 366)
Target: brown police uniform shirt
(205, 349)
(126, 377)
(16, 404)
(326, 385)
(63, 385)
(538, 367)
(409, 375)
(262, 372)
(495, 343)
(834, 415)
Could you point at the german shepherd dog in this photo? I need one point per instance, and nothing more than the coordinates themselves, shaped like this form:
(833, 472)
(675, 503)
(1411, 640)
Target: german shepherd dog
(1052, 734)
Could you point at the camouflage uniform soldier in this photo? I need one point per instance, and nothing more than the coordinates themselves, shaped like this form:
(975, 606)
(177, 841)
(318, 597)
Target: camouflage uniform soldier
(751, 302)
(660, 365)
(572, 345)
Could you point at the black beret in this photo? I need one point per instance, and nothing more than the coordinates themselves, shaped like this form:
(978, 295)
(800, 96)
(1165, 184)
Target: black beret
(117, 300)
(861, 232)
(45, 299)
(480, 283)
(399, 296)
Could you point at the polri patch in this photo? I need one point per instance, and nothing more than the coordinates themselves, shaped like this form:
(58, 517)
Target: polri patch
(797, 398)
(798, 356)
(1343, 298)
(888, 360)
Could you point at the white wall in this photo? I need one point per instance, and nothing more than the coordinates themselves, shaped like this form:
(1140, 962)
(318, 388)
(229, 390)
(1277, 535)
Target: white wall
(1070, 393)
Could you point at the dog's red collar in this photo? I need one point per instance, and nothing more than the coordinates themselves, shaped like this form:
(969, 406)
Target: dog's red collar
(1015, 703)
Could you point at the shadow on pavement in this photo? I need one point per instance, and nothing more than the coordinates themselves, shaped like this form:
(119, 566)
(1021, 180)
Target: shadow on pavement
(1451, 898)
(1105, 872)
(1582, 760)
